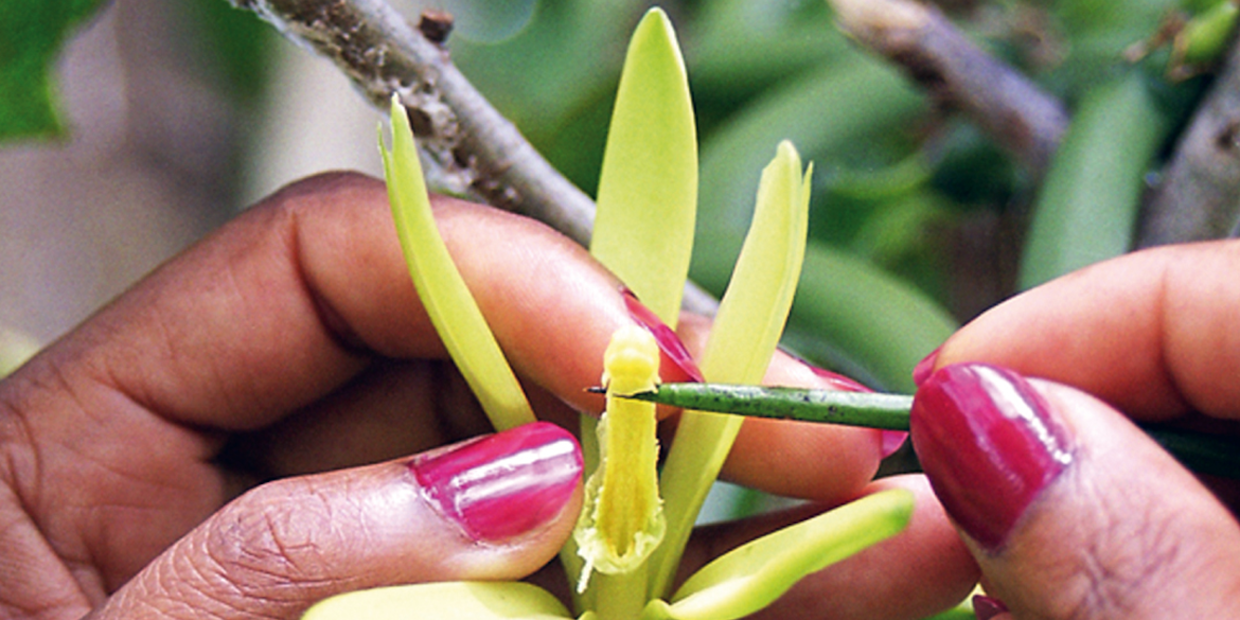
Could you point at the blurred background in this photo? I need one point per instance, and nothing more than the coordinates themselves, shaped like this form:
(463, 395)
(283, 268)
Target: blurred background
(183, 113)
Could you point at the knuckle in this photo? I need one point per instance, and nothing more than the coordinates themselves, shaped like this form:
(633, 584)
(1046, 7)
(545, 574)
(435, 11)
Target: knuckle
(272, 539)
(1130, 552)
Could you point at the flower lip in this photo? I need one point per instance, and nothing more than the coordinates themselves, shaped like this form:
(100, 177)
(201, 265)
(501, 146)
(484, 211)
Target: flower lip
(676, 364)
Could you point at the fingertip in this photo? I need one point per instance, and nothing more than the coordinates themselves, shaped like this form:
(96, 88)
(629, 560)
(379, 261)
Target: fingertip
(492, 508)
(1048, 484)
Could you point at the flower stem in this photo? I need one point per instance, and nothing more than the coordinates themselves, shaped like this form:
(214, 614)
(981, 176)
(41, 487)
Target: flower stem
(871, 410)
(1202, 453)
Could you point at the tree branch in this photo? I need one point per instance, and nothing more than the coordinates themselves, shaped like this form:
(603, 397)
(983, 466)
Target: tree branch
(472, 148)
(1199, 196)
(1014, 111)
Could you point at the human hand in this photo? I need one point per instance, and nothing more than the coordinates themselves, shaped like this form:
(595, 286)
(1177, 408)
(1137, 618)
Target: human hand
(1069, 509)
(290, 347)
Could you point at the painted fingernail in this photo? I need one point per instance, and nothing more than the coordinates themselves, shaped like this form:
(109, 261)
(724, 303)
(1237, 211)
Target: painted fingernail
(986, 607)
(675, 363)
(925, 367)
(892, 440)
(504, 484)
(989, 444)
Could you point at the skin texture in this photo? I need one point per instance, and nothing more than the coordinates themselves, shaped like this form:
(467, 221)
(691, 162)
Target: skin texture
(1124, 531)
(290, 349)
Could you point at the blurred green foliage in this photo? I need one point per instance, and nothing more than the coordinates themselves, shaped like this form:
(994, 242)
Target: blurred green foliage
(899, 181)
(31, 35)
(918, 219)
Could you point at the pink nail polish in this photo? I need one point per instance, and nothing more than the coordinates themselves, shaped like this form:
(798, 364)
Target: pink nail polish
(925, 367)
(989, 445)
(891, 441)
(986, 607)
(675, 363)
(504, 484)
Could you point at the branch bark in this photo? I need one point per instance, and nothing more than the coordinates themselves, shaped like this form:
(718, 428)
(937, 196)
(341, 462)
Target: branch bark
(472, 149)
(1014, 111)
(1199, 196)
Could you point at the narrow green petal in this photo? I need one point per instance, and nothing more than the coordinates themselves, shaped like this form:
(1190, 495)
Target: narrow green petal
(647, 193)
(754, 575)
(744, 336)
(443, 292)
(457, 600)
(755, 306)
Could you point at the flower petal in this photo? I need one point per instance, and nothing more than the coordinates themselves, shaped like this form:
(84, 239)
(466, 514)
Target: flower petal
(647, 193)
(750, 577)
(440, 287)
(457, 600)
(742, 340)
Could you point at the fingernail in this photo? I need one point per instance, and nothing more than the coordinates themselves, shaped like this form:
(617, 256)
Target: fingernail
(891, 441)
(988, 443)
(675, 363)
(985, 607)
(922, 370)
(504, 484)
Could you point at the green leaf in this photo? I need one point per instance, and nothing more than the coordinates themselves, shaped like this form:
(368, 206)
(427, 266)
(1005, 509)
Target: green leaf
(647, 194)
(746, 330)
(1087, 209)
(752, 576)
(443, 292)
(458, 600)
(850, 311)
(31, 35)
(847, 305)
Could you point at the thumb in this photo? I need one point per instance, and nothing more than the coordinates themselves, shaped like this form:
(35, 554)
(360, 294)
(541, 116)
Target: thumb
(493, 508)
(1069, 509)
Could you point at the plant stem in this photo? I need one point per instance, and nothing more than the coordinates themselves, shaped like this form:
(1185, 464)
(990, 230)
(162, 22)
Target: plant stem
(1197, 198)
(621, 596)
(872, 410)
(1012, 109)
(473, 149)
(1217, 455)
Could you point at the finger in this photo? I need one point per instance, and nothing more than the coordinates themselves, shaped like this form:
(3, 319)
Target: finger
(293, 298)
(1151, 332)
(1069, 509)
(285, 304)
(924, 570)
(374, 417)
(492, 509)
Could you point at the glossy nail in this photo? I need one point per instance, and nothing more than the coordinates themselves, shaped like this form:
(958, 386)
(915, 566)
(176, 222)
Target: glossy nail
(986, 607)
(504, 484)
(989, 444)
(891, 441)
(925, 367)
(675, 363)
